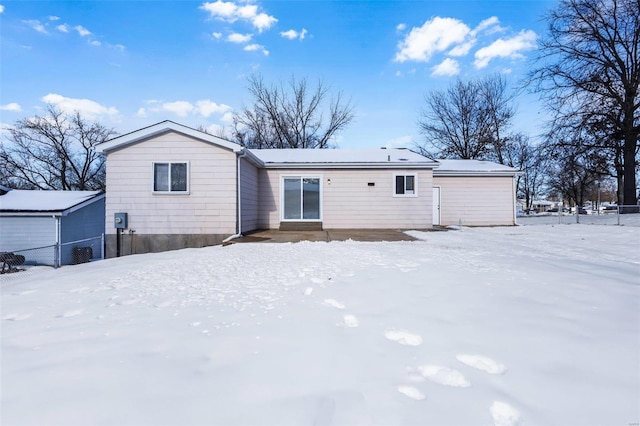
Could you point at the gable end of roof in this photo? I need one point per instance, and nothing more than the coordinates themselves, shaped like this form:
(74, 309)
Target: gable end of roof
(159, 129)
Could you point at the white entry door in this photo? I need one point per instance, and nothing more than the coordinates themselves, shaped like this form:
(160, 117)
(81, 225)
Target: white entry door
(436, 205)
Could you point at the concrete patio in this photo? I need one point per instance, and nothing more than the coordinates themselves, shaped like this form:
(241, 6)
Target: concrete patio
(276, 236)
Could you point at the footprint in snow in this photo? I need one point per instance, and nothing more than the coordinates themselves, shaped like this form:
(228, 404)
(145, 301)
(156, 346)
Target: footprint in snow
(16, 317)
(411, 392)
(444, 376)
(350, 321)
(504, 415)
(333, 303)
(483, 363)
(25, 292)
(403, 337)
(71, 313)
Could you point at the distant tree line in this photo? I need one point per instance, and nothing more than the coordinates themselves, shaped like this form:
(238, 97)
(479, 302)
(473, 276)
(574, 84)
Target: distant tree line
(588, 74)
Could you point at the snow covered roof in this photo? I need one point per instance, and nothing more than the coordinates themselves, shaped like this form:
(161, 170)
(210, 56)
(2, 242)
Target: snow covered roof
(28, 201)
(472, 168)
(342, 158)
(160, 128)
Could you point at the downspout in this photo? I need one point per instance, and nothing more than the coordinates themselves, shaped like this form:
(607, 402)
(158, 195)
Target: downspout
(515, 200)
(58, 249)
(238, 233)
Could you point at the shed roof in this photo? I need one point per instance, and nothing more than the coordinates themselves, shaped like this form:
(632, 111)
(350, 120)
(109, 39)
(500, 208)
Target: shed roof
(342, 158)
(33, 201)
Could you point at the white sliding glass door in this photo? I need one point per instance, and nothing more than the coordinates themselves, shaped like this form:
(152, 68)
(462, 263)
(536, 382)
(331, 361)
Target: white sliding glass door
(301, 198)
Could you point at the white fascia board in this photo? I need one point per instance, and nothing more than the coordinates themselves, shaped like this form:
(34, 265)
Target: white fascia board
(384, 165)
(469, 173)
(251, 157)
(160, 128)
(83, 204)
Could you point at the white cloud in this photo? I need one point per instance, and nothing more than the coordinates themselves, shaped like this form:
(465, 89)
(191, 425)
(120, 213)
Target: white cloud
(215, 130)
(293, 34)
(436, 35)
(217, 35)
(1, 8)
(506, 48)
(118, 47)
(15, 107)
(142, 113)
(401, 27)
(227, 117)
(82, 31)
(88, 108)
(95, 43)
(462, 49)
(448, 67)
(205, 108)
(489, 25)
(54, 18)
(180, 108)
(256, 48)
(239, 38)
(36, 25)
(263, 22)
(63, 28)
(231, 12)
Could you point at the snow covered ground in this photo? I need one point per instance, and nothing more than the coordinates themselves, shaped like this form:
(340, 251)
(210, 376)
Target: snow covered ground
(531, 325)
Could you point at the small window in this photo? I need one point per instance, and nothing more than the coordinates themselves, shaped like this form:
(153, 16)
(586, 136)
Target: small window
(171, 177)
(405, 185)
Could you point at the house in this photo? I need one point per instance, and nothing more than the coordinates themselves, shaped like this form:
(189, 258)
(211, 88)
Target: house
(180, 187)
(52, 227)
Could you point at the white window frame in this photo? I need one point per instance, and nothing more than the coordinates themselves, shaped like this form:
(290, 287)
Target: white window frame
(169, 191)
(282, 178)
(405, 195)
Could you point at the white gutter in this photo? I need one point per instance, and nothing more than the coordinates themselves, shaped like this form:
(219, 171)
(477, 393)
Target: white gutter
(475, 173)
(364, 165)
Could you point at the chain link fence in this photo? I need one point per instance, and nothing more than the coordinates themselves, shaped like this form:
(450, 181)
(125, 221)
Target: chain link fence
(612, 215)
(56, 255)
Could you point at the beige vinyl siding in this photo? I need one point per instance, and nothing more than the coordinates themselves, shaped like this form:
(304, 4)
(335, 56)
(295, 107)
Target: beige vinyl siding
(249, 194)
(475, 200)
(348, 201)
(210, 206)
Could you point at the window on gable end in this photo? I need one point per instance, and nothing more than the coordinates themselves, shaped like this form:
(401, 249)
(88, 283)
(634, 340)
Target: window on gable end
(171, 177)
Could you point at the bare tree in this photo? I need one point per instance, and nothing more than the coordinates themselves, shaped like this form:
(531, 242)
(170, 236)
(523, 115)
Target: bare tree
(573, 169)
(497, 104)
(469, 120)
(590, 74)
(54, 151)
(291, 116)
(532, 162)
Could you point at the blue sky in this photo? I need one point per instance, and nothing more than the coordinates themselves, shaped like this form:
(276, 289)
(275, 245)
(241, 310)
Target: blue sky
(129, 64)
